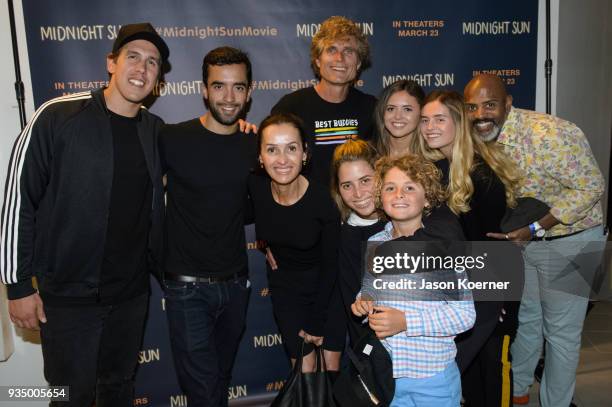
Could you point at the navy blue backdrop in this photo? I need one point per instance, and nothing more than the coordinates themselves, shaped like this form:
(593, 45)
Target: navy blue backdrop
(440, 44)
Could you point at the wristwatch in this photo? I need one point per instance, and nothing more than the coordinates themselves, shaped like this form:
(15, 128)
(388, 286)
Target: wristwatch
(537, 230)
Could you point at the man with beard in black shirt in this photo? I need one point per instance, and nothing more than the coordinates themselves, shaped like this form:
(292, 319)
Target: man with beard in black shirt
(207, 161)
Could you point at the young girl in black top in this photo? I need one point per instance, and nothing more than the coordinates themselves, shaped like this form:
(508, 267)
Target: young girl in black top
(352, 187)
(299, 222)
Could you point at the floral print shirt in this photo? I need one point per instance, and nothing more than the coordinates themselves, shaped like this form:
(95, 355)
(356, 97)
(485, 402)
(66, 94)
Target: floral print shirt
(558, 168)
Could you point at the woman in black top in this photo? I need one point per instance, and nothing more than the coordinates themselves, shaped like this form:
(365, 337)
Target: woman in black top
(481, 184)
(299, 222)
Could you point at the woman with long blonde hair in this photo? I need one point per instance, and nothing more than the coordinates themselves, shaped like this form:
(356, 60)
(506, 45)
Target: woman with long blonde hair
(481, 184)
(465, 153)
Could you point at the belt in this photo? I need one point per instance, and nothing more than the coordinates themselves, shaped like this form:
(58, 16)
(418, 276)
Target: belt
(556, 237)
(208, 280)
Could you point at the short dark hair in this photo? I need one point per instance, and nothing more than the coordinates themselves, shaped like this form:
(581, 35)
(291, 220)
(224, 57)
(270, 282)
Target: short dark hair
(226, 56)
(284, 118)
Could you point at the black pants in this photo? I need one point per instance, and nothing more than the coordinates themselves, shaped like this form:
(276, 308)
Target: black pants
(487, 380)
(94, 351)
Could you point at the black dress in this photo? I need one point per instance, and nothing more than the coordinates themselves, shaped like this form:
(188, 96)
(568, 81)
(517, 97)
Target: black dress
(483, 352)
(303, 238)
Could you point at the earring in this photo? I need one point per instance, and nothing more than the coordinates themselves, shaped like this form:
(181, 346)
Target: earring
(303, 163)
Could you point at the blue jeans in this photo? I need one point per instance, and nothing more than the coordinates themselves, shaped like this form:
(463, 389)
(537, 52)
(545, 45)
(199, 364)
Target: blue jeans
(440, 390)
(557, 279)
(206, 322)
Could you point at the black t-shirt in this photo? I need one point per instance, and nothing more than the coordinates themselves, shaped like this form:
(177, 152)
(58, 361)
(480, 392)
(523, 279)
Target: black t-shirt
(328, 124)
(206, 199)
(303, 238)
(124, 266)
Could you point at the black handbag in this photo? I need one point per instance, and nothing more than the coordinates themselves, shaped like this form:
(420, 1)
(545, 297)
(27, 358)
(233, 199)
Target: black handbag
(310, 389)
(368, 380)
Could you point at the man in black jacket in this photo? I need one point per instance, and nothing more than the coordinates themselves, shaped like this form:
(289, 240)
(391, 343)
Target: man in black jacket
(82, 214)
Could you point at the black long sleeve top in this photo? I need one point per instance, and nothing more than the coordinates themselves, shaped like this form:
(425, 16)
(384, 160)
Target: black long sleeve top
(487, 205)
(303, 236)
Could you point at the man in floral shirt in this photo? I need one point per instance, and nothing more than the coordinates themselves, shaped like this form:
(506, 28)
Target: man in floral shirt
(560, 170)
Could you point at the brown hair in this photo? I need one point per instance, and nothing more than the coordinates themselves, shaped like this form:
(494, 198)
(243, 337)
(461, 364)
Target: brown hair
(284, 118)
(420, 171)
(351, 151)
(335, 28)
(414, 90)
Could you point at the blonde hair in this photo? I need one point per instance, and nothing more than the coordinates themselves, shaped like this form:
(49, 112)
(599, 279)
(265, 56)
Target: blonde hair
(465, 148)
(336, 28)
(419, 170)
(351, 151)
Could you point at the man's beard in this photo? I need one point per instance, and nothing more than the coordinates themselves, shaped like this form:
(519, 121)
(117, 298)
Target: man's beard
(491, 134)
(219, 117)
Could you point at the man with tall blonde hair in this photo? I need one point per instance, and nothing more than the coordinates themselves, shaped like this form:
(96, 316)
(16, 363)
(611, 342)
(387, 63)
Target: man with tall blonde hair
(333, 110)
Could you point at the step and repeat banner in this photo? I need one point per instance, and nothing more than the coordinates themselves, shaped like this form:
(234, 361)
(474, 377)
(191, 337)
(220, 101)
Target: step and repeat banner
(438, 44)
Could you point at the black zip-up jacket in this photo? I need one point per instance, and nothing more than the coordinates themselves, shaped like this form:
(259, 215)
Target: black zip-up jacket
(56, 204)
